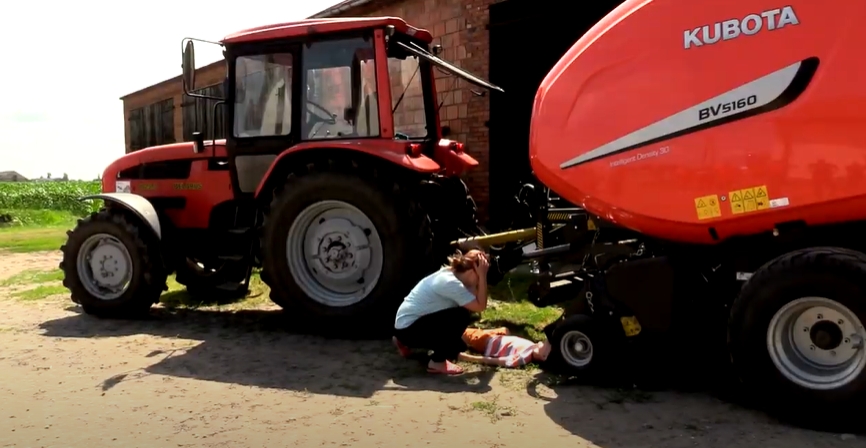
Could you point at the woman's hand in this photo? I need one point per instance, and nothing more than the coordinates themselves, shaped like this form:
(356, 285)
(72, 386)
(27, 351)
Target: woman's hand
(482, 266)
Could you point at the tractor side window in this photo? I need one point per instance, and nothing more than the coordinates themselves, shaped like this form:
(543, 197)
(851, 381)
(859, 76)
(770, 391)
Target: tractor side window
(263, 95)
(341, 96)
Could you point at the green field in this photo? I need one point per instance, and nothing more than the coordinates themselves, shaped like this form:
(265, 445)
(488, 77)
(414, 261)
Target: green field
(54, 196)
(34, 216)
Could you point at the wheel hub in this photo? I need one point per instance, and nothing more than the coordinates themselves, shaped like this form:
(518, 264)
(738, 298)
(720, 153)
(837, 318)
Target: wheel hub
(108, 264)
(817, 343)
(576, 348)
(822, 339)
(339, 252)
(334, 253)
(104, 266)
(336, 249)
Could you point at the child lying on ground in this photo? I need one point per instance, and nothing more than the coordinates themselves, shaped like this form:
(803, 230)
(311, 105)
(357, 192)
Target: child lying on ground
(499, 348)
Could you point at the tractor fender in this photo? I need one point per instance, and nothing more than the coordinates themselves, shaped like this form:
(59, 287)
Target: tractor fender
(393, 152)
(134, 203)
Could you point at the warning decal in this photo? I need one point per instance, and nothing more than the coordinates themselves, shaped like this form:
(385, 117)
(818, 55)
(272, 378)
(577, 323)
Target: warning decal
(749, 200)
(708, 207)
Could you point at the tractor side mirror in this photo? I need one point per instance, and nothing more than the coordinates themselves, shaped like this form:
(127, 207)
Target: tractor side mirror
(437, 49)
(188, 66)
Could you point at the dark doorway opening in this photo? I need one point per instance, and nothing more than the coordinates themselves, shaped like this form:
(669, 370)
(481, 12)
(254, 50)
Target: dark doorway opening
(527, 37)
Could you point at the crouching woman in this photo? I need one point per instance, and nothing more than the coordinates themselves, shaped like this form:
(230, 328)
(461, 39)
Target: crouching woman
(438, 310)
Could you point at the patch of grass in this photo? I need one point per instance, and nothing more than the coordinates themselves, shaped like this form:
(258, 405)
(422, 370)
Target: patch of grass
(176, 297)
(32, 276)
(37, 218)
(40, 292)
(32, 239)
(45, 284)
(513, 288)
(492, 408)
(522, 318)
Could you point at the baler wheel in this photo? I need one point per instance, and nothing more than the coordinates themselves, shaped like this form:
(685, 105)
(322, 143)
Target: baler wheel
(109, 268)
(582, 346)
(796, 335)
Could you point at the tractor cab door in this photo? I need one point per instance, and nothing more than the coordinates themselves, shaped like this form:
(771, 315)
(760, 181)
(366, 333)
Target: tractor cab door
(264, 87)
(287, 94)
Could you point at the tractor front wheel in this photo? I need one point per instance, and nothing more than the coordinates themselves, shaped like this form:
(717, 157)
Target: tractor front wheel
(109, 268)
(343, 246)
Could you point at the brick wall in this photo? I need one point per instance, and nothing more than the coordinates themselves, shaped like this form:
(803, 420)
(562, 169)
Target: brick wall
(172, 88)
(459, 26)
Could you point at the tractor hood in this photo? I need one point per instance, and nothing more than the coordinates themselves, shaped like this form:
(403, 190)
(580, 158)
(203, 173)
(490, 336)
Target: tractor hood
(129, 165)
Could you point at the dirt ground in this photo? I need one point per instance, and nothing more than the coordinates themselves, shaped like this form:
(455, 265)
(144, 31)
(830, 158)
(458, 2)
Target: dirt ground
(220, 379)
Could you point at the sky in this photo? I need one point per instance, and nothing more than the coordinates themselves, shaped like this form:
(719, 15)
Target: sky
(68, 63)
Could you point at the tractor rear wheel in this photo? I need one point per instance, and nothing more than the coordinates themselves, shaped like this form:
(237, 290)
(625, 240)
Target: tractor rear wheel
(796, 335)
(109, 267)
(345, 247)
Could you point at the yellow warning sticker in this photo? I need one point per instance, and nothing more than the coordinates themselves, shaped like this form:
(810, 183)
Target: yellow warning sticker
(708, 207)
(736, 202)
(630, 325)
(749, 200)
(762, 199)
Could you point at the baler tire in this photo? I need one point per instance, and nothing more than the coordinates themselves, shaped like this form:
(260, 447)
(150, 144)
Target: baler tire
(835, 275)
(601, 340)
(404, 235)
(147, 281)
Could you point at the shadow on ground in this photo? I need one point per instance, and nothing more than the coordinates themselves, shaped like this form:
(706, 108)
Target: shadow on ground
(253, 348)
(711, 414)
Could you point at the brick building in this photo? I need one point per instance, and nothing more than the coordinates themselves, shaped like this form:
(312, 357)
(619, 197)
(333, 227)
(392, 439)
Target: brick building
(513, 43)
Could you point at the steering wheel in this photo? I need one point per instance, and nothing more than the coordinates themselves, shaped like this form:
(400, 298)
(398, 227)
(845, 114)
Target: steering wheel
(325, 116)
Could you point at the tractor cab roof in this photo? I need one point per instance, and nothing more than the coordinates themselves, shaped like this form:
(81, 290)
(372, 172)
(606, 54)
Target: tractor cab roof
(308, 27)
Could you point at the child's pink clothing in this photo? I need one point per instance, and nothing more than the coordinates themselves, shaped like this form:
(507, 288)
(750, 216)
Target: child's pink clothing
(516, 351)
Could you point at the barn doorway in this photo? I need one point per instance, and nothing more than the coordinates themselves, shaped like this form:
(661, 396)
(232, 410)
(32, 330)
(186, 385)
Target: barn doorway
(527, 37)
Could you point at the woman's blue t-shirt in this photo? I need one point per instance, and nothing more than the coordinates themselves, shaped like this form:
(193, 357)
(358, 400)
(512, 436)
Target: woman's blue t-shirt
(436, 292)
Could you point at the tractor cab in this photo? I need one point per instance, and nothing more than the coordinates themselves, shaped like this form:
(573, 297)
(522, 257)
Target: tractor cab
(365, 84)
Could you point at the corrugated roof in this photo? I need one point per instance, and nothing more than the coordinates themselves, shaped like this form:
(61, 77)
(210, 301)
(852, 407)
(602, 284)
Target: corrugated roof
(169, 81)
(338, 8)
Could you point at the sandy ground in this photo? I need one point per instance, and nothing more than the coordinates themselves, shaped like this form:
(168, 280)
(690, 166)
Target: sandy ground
(219, 379)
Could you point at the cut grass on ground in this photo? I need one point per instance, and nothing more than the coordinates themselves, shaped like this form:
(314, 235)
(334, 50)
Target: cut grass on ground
(33, 276)
(32, 239)
(39, 292)
(44, 284)
(177, 298)
(509, 309)
(35, 230)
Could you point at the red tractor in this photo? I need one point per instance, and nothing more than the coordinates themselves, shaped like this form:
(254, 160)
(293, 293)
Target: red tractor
(336, 179)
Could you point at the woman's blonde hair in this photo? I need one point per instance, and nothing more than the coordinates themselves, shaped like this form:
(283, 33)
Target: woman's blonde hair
(460, 262)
